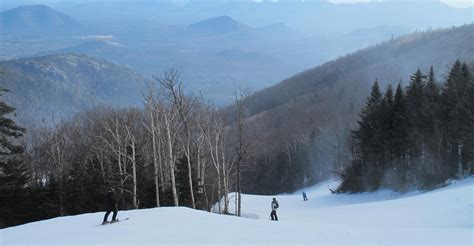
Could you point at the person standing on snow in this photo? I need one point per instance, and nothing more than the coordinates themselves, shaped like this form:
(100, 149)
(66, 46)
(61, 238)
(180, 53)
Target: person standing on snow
(111, 207)
(305, 198)
(275, 206)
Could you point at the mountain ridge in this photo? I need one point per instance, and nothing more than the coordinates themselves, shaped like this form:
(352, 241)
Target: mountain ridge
(35, 19)
(215, 26)
(63, 84)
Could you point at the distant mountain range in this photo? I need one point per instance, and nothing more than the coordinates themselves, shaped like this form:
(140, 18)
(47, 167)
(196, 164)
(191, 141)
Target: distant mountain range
(214, 53)
(37, 19)
(60, 85)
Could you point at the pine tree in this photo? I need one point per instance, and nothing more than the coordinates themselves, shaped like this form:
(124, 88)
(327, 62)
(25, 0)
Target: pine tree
(400, 138)
(13, 173)
(182, 182)
(400, 124)
(431, 109)
(370, 139)
(386, 114)
(369, 123)
(454, 116)
(416, 104)
(467, 128)
(470, 134)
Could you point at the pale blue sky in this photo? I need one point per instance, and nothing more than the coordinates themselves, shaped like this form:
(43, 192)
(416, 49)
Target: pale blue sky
(454, 3)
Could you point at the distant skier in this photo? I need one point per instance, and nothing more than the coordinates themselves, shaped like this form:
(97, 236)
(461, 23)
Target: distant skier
(305, 198)
(111, 207)
(275, 206)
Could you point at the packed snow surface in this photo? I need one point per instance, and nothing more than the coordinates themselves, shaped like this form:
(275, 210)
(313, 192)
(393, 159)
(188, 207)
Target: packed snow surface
(440, 217)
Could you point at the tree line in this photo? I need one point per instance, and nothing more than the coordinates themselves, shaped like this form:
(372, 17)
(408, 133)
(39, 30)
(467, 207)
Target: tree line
(176, 151)
(417, 137)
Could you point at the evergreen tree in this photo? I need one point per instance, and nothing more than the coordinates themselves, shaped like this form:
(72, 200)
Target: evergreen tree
(455, 115)
(13, 173)
(400, 139)
(431, 109)
(182, 182)
(470, 134)
(370, 138)
(387, 124)
(467, 131)
(416, 115)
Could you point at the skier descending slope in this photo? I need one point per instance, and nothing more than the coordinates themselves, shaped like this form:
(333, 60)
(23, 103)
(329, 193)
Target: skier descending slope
(275, 206)
(111, 206)
(305, 198)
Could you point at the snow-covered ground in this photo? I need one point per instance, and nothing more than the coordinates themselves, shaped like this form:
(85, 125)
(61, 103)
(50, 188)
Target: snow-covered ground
(440, 217)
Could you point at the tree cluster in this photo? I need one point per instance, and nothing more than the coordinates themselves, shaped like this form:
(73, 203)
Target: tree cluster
(176, 151)
(417, 137)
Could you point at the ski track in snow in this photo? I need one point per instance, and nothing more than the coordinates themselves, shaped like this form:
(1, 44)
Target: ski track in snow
(440, 217)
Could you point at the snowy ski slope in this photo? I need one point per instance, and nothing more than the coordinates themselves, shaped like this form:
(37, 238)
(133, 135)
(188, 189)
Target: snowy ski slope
(440, 217)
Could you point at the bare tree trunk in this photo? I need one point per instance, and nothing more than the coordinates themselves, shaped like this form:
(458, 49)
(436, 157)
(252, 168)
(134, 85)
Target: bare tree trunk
(226, 189)
(240, 95)
(134, 167)
(219, 191)
(160, 164)
(460, 168)
(155, 161)
(171, 161)
(61, 180)
(190, 177)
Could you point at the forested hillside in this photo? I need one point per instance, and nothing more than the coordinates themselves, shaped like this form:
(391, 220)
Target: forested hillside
(60, 85)
(307, 118)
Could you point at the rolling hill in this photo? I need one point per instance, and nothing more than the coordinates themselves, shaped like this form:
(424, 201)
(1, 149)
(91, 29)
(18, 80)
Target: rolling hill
(390, 62)
(215, 26)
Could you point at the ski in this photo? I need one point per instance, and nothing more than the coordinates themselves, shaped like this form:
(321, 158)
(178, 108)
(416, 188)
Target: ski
(113, 222)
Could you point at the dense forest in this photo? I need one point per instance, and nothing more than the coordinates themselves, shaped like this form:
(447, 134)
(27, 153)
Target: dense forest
(418, 137)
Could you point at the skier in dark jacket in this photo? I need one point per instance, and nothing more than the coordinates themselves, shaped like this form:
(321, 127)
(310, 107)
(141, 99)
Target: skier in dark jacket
(275, 206)
(111, 207)
(305, 198)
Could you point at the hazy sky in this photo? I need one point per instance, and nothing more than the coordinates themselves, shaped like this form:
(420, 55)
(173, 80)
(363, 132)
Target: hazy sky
(454, 3)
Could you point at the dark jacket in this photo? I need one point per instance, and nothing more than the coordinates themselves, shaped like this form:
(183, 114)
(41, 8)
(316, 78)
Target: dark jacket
(111, 201)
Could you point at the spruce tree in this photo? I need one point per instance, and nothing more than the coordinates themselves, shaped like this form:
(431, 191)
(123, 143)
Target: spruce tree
(417, 117)
(13, 173)
(467, 125)
(386, 115)
(470, 134)
(400, 135)
(454, 114)
(400, 123)
(431, 109)
(369, 136)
